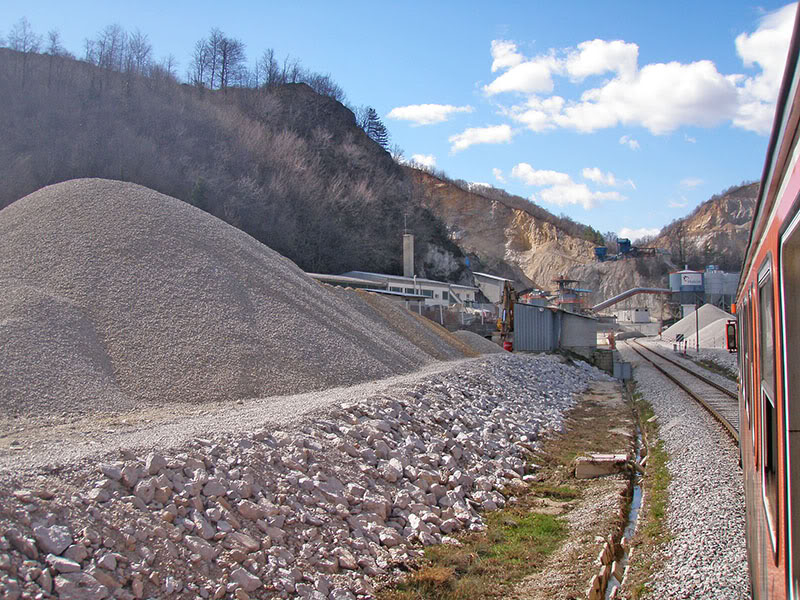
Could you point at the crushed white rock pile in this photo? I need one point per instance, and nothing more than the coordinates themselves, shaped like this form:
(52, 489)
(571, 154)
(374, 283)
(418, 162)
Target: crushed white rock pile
(687, 326)
(313, 512)
(115, 296)
(711, 336)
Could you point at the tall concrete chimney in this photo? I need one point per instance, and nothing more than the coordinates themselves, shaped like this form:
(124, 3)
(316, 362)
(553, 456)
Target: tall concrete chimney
(408, 255)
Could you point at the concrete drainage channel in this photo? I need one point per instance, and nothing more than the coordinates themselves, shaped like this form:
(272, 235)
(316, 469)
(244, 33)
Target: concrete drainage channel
(617, 551)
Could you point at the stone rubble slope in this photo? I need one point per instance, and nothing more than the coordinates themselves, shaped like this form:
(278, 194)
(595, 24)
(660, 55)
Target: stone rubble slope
(317, 511)
(706, 314)
(115, 295)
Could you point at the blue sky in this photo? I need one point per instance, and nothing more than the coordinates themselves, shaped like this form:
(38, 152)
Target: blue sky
(621, 115)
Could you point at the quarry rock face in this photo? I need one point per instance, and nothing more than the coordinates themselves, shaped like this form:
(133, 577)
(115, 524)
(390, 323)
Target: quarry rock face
(510, 242)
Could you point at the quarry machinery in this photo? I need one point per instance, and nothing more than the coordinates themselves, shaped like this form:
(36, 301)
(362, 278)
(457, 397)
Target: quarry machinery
(505, 322)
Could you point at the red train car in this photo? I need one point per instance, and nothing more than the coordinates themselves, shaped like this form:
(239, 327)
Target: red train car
(768, 313)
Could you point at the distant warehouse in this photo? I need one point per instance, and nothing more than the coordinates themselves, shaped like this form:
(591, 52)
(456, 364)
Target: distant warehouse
(436, 293)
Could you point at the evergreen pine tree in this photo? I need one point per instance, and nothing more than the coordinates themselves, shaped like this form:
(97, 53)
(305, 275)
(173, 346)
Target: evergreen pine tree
(376, 130)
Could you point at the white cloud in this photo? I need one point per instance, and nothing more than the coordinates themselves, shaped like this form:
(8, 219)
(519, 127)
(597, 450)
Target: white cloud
(766, 47)
(636, 234)
(498, 174)
(690, 139)
(425, 160)
(496, 134)
(596, 175)
(531, 176)
(559, 189)
(426, 114)
(660, 97)
(537, 114)
(576, 193)
(599, 56)
(682, 203)
(531, 76)
(629, 142)
(505, 55)
(691, 182)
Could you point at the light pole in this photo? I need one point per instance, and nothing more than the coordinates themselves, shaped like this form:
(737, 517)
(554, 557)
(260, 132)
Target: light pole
(697, 324)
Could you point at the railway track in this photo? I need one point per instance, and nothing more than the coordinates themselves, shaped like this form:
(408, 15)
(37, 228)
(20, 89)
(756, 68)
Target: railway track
(721, 402)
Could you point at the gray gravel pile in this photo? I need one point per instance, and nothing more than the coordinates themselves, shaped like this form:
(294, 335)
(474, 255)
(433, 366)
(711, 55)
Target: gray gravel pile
(478, 343)
(115, 296)
(313, 511)
(706, 557)
(687, 326)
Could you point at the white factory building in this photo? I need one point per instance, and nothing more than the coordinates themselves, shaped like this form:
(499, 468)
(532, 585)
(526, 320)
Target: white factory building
(491, 286)
(436, 293)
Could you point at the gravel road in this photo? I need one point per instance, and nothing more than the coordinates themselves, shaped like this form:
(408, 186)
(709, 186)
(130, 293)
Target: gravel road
(56, 446)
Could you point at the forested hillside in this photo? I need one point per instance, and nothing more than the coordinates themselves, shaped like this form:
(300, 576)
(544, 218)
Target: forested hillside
(288, 165)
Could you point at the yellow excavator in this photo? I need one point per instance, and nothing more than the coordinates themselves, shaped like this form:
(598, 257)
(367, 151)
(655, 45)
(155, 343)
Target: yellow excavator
(505, 322)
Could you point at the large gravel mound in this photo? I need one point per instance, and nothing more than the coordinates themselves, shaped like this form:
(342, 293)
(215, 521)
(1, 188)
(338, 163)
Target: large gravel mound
(711, 336)
(115, 295)
(706, 314)
(478, 343)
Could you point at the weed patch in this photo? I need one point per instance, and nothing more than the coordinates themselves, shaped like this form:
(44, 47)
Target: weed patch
(514, 545)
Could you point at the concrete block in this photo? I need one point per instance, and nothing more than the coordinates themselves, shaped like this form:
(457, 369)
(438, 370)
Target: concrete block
(600, 465)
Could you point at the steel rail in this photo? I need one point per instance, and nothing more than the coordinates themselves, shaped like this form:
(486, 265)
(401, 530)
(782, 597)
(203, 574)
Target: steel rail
(702, 378)
(732, 431)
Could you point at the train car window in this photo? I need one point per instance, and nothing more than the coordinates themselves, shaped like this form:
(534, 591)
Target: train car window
(744, 357)
(790, 322)
(766, 313)
(769, 415)
(749, 371)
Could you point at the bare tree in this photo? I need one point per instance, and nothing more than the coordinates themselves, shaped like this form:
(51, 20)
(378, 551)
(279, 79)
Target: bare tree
(110, 48)
(199, 67)
(231, 61)
(23, 39)
(54, 47)
(214, 42)
(138, 54)
(268, 69)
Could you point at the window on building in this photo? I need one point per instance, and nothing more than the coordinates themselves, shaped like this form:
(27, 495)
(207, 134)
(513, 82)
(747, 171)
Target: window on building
(445, 295)
(395, 289)
(427, 293)
(410, 291)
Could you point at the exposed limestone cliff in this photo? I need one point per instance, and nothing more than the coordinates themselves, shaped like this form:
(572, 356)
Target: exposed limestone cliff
(506, 238)
(502, 239)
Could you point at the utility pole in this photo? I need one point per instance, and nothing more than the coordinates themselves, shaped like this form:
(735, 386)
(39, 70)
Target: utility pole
(697, 323)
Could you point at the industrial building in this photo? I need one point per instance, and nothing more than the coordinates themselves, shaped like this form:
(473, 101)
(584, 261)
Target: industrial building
(436, 293)
(491, 286)
(691, 289)
(545, 329)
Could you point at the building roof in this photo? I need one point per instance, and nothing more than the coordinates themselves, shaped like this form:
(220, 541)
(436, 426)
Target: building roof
(411, 280)
(345, 280)
(491, 276)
